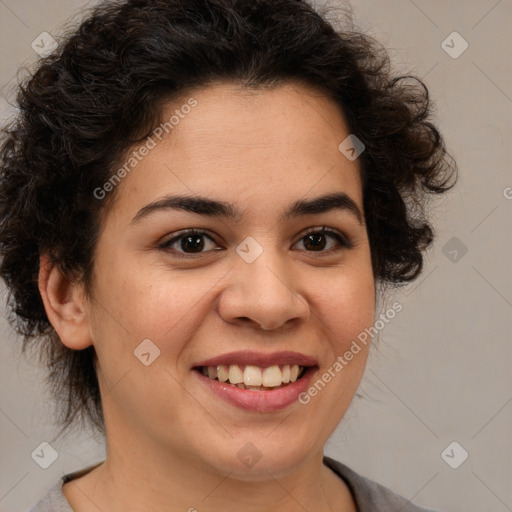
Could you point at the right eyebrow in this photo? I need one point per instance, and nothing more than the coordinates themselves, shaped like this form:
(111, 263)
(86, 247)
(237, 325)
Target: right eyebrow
(200, 205)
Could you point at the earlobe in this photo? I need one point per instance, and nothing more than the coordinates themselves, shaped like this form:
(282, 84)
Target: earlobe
(65, 305)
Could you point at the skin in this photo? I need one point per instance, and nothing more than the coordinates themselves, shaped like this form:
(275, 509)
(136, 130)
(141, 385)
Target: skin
(171, 444)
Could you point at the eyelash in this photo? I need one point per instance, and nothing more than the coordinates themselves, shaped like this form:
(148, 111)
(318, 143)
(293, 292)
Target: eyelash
(343, 242)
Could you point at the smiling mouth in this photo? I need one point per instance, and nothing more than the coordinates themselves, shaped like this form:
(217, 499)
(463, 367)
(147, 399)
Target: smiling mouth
(254, 378)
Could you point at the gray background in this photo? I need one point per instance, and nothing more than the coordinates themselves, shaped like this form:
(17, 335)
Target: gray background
(441, 372)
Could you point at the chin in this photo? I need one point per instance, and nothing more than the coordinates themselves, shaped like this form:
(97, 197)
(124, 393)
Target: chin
(262, 458)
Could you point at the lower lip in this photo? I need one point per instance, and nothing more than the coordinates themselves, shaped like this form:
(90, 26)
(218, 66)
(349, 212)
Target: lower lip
(260, 401)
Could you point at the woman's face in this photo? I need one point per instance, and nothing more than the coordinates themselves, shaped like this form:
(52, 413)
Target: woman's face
(252, 290)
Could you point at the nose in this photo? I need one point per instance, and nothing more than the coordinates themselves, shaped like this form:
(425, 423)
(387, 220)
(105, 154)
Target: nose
(265, 293)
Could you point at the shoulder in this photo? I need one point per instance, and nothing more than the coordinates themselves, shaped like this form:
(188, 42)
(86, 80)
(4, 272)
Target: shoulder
(54, 499)
(369, 495)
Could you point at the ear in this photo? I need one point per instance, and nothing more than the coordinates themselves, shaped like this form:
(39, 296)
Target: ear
(65, 305)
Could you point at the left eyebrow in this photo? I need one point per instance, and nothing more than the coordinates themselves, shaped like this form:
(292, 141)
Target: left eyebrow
(214, 208)
(324, 204)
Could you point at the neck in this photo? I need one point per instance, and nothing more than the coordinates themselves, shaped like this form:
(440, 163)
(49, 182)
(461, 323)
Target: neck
(141, 479)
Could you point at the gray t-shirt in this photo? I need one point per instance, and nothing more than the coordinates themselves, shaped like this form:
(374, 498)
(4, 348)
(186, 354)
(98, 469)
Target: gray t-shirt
(369, 496)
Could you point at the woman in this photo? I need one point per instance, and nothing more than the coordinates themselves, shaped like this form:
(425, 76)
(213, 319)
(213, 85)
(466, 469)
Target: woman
(199, 201)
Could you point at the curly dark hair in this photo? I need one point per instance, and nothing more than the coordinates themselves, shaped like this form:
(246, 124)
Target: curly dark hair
(103, 90)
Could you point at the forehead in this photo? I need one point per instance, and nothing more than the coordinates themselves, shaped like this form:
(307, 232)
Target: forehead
(245, 146)
(230, 118)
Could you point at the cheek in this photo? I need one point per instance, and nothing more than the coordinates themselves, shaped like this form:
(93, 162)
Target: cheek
(131, 307)
(347, 305)
(134, 304)
(347, 310)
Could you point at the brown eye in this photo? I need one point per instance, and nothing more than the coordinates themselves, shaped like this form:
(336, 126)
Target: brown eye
(315, 242)
(194, 243)
(318, 240)
(188, 243)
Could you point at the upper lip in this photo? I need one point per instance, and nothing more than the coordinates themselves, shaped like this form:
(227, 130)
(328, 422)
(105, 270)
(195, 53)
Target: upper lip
(248, 357)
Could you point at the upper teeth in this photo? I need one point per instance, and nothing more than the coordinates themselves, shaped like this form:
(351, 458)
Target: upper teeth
(254, 376)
